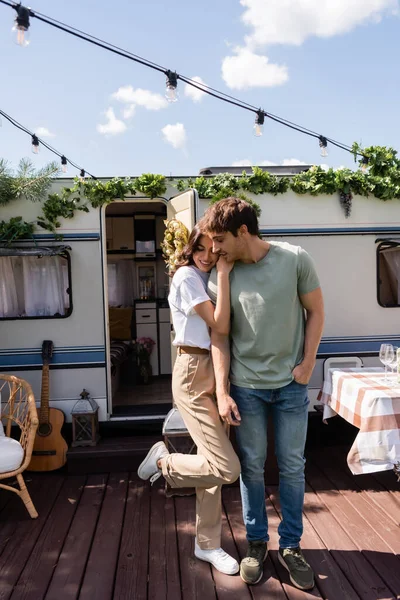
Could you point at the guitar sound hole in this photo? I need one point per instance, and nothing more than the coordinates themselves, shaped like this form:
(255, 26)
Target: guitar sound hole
(44, 429)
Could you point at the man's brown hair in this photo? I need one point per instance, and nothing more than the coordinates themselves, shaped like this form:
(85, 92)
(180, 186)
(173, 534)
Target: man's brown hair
(230, 214)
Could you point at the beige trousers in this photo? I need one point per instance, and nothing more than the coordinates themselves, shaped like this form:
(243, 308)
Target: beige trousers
(216, 463)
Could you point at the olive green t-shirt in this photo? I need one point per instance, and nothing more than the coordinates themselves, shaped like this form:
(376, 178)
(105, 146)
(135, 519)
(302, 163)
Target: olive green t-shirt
(267, 317)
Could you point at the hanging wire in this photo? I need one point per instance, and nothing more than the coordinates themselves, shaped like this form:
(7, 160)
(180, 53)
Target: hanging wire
(35, 139)
(152, 65)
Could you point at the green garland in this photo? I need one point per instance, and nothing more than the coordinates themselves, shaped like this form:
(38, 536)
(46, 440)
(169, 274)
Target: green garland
(381, 179)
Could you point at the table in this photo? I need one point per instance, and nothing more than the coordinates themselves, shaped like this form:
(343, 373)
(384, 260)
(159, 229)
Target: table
(362, 398)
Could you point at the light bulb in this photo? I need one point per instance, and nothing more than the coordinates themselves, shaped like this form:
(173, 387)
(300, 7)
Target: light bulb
(258, 129)
(82, 175)
(171, 92)
(64, 164)
(21, 26)
(21, 36)
(323, 144)
(35, 144)
(259, 123)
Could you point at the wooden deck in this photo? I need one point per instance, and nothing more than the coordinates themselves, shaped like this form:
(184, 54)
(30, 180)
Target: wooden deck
(112, 536)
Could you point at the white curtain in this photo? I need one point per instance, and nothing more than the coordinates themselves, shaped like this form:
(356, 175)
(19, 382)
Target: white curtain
(44, 287)
(121, 277)
(392, 258)
(8, 290)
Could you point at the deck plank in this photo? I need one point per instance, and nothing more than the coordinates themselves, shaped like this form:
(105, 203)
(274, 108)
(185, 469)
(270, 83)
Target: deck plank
(362, 521)
(35, 577)
(98, 581)
(172, 554)
(374, 513)
(367, 583)
(132, 567)
(329, 578)
(196, 575)
(368, 485)
(229, 586)
(122, 539)
(23, 532)
(269, 586)
(291, 592)
(163, 551)
(70, 569)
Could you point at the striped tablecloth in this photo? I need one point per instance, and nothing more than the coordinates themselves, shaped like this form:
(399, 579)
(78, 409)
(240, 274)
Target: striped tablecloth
(361, 397)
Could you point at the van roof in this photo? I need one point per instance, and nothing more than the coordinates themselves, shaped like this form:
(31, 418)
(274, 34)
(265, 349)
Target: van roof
(280, 170)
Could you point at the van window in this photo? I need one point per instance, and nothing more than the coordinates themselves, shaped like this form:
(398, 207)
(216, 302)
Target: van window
(388, 264)
(35, 287)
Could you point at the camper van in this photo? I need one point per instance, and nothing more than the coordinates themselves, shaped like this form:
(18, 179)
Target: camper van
(104, 286)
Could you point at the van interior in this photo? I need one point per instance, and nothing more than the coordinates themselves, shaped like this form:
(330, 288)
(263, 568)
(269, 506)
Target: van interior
(138, 311)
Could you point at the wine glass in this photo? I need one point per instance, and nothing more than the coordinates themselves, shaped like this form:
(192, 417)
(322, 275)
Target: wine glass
(386, 356)
(393, 366)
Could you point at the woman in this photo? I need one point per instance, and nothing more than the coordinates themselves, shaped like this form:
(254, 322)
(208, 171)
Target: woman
(193, 388)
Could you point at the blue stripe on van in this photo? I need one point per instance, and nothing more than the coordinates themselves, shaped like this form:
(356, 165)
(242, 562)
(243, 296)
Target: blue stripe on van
(355, 347)
(86, 237)
(330, 231)
(30, 359)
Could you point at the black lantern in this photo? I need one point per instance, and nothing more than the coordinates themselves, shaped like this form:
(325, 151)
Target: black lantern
(85, 421)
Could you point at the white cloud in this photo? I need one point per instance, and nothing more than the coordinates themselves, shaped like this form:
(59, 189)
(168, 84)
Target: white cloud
(129, 111)
(175, 135)
(195, 94)
(245, 162)
(247, 69)
(44, 132)
(113, 126)
(128, 95)
(288, 22)
(289, 162)
(286, 162)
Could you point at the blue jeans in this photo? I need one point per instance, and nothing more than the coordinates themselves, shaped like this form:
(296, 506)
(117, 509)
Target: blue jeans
(288, 407)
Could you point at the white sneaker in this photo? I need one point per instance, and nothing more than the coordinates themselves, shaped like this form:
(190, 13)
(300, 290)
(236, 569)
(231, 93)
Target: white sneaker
(148, 469)
(218, 558)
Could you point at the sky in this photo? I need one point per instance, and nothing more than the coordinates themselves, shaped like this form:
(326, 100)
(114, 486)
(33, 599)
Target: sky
(329, 65)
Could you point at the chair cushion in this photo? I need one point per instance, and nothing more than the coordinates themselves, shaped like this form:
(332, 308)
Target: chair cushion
(11, 454)
(1, 428)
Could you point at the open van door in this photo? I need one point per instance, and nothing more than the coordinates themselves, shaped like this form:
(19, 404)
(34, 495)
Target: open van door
(184, 208)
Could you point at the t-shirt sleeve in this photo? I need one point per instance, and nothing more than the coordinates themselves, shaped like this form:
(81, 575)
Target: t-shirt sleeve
(192, 293)
(212, 286)
(307, 278)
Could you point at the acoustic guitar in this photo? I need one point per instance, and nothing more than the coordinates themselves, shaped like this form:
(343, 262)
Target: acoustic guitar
(50, 448)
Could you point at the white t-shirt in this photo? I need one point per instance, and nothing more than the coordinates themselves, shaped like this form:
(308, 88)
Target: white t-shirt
(188, 289)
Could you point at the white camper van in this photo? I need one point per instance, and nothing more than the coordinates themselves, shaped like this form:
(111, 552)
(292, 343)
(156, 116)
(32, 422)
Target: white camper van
(105, 285)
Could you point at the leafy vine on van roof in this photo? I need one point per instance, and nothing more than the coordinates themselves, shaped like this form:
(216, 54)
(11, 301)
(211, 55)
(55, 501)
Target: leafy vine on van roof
(381, 179)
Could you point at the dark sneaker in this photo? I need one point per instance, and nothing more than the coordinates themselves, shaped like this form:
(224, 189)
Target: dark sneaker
(251, 567)
(300, 572)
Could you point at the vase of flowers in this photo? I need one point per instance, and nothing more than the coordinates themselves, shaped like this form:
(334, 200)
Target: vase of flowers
(144, 347)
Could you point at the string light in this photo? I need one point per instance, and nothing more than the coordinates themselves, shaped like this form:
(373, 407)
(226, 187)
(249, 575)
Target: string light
(323, 144)
(259, 123)
(21, 25)
(64, 164)
(35, 144)
(364, 164)
(82, 175)
(172, 77)
(36, 141)
(171, 92)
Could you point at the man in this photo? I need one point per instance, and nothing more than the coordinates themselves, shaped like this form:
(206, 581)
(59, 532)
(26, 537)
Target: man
(276, 326)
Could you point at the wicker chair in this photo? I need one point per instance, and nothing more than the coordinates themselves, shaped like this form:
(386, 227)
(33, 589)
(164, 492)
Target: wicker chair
(17, 407)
